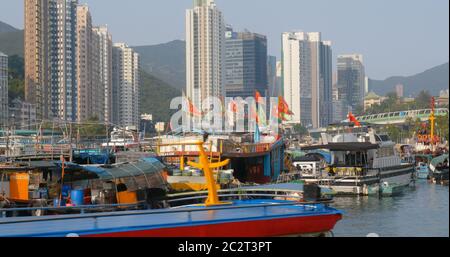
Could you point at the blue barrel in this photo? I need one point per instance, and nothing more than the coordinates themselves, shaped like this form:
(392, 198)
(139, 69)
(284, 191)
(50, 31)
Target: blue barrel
(65, 191)
(77, 197)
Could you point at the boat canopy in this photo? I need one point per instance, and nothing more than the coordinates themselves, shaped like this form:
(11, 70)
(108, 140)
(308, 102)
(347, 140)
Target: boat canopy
(438, 161)
(344, 146)
(145, 166)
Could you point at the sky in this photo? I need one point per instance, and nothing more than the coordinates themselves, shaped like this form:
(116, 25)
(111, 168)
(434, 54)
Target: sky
(396, 37)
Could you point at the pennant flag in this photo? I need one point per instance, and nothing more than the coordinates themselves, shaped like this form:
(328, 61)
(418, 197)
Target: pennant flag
(257, 135)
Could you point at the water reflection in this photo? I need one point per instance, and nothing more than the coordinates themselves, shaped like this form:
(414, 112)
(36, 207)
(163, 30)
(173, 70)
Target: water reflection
(423, 210)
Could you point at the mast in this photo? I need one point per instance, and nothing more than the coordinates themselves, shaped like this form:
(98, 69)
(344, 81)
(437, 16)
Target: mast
(432, 120)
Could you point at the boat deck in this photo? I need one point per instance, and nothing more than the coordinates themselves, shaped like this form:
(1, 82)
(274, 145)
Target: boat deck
(242, 218)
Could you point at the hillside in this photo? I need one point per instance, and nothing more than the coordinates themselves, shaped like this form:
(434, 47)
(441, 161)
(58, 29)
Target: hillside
(433, 80)
(6, 28)
(11, 43)
(165, 61)
(156, 96)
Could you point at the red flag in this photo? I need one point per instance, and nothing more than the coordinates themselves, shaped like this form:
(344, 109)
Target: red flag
(192, 109)
(233, 106)
(353, 119)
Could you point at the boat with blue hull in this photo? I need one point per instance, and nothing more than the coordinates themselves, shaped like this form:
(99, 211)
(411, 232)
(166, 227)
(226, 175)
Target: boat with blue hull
(246, 218)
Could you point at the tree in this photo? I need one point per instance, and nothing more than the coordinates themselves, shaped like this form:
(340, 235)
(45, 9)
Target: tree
(423, 100)
(300, 129)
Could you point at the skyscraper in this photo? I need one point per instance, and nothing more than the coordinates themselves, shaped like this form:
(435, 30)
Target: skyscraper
(205, 51)
(63, 58)
(85, 62)
(307, 74)
(50, 57)
(3, 89)
(272, 76)
(126, 86)
(37, 56)
(105, 69)
(245, 64)
(351, 81)
(399, 90)
(326, 84)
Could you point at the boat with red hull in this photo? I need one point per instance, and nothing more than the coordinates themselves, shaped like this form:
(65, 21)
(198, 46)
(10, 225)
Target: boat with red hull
(242, 218)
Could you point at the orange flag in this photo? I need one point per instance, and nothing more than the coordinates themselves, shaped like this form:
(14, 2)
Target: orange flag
(353, 119)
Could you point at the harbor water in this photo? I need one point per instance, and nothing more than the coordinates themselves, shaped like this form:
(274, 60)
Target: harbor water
(421, 211)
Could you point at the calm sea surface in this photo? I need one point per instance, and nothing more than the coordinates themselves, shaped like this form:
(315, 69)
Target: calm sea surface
(422, 211)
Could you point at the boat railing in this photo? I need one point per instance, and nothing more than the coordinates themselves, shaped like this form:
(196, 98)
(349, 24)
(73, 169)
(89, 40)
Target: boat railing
(193, 197)
(189, 210)
(80, 208)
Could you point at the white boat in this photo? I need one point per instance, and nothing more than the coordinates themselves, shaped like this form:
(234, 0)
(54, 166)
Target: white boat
(359, 162)
(422, 171)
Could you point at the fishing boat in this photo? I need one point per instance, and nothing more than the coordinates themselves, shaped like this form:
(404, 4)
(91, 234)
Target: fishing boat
(214, 218)
(361, 161)
(422, 171)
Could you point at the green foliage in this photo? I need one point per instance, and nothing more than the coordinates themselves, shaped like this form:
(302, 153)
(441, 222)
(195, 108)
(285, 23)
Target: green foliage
(165, 61)
(300, 129)
(393, 104)
(91, 127)
(423, 99)
(16, 83)
(442, 126)
(11, 43)
(156, 96)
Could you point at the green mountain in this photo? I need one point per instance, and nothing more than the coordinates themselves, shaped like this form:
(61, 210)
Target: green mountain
(11, 40)
(165, 61)
(6, 28)
(433, 80)
(156, 96)
(11, 43)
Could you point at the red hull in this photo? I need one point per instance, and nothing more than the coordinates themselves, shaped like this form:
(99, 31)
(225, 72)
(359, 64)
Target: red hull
(257, 228)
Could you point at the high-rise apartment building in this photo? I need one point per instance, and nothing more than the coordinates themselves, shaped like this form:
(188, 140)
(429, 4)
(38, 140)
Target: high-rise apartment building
(50, 57)
(63, 58)
(399, 90)
(105, 70)
(3, 89)
(85, 63)
(37, 56)
(205, 51)
(307, 77)
(245, 64)
(272, 76)
(126, 86)
(351, 81)
(326, 84)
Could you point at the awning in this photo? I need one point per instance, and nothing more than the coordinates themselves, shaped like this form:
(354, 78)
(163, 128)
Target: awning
(144, 166)
(344, 146)
(438, 161)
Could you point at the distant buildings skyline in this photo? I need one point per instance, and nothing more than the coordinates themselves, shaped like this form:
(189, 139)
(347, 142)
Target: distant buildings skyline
(68, 66)
(307, 77)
